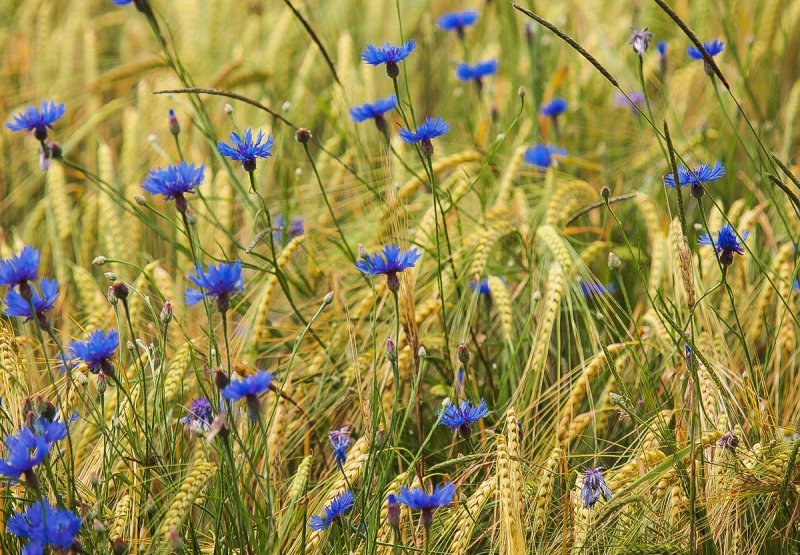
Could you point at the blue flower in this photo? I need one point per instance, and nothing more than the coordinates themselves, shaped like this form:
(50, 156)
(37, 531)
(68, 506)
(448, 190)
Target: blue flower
(333, 511)
(661, 46)
(200, 416)
(481, 287)
(373, 111)
(121, 2)
(554, 108)
(542, 155)
(17, 306)
(713, 48)
(457, 21)
(797, 285)
(466, 72)
(594, 486)
(246, 150)
(390, 262)
(44, 525)
(462, 417)
(30, 445)
(20, 268)
(701, 175)
(388, 54)
(340, 440)
(249, 386)
(419, 500)
(593, 289)
(296, 227)
(174, 181)
(97, 350)
(220, 281)
(726, 245)
(430, 129)
(37, 120)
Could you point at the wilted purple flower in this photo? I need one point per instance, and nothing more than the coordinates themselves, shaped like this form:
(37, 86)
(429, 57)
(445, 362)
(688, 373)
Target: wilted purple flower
(594, 487)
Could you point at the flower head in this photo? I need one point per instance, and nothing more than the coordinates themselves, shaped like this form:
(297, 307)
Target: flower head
(712, 48)
(200, 416)
(20, 269)
(640, 40)
(594, 289)
(418, 499)
(333, 511)
(554, 108)
(374, 111)
(457, 21)
(37, 121)
(219, 281)
(594, 486)
(726, 245)
(45, 525)
(661, 46)
(340, 440)
(430, 129)
(17, 306)
(249, 386)
(701, 175)
(543, 155)
(462, 417)
(174, 181)
(245, 149)
(97, 350)
(29, 446)
(295, 227)
(466, 72)
(729, 441)
(390, 261)
(388, 54)
(481, 286)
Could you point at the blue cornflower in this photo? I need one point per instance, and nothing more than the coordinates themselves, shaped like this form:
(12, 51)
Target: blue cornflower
(388, 54)
(374, 111)
(246, 150)
(174, 181)
(797, 285)
(457, 21)
(220, 281)
(390, 262)
(726, 245)
(698, 177)
(20, 269)
(29, 447)
(661, 46)
(542, 155)
(340, 440)
(333, 511)
(45, 525)
(594, 486)
(37, 120)
(17, 306)
(466, 72)
(121, 2)
(713, 48)
(462, 417)
(97, 351)
(295, 227)
(249, 388)
(594, 289)
(200, 416)
(554, 108)
(481, 286)
(432, 128)
(419, 500)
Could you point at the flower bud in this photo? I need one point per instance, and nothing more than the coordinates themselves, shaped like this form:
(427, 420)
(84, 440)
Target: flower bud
(221, 380)
(614, 263)
(605, 192)
(102, 383)
(166, 313)
(393, 512)
(521, 91)
(174, 126)
(119, 290)
(391, 350)
(119, 547)
(328, 298)
(228, 109)
(463, 354)
(99, 260)
(302, 136)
